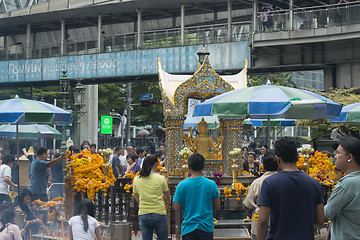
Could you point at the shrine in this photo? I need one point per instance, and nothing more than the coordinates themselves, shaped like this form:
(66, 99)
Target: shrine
(205, 83)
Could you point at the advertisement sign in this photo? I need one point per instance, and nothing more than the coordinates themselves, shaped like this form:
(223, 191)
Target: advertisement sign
(106, 125)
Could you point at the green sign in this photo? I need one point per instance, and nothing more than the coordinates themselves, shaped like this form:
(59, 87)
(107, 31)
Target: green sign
(106, 125)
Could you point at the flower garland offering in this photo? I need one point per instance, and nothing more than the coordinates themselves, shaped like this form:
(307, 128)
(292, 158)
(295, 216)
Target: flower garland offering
(90, 174)
(185, 152)
(235, 152)
(320, 168)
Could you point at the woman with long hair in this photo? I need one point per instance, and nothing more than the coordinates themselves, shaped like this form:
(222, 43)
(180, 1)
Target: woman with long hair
(149, 189)
(83, 226)
(343, 206)
(31, 221)
(8, 230)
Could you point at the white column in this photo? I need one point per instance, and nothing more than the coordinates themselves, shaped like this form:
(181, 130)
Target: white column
(291, 15)
(182, 27)
(99, 33)
(138, 42)
(229, 23)
(28, 40)
(255, 11)
(89, 121)
(62, 47)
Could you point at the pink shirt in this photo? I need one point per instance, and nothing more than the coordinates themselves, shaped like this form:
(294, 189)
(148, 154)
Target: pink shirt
(11, 232)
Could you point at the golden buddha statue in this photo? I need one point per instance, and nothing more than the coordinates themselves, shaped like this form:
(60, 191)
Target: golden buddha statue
(202, 142)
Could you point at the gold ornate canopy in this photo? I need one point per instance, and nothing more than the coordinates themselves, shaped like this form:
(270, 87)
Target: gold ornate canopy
(203, 84)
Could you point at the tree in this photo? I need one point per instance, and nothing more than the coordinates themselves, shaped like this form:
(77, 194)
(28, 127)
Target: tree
(280, 79)
(321, 127)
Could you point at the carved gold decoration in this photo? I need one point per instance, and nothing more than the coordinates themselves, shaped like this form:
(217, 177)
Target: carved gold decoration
(234, 170)
(202, 142)
(203, 84)
(69, 192)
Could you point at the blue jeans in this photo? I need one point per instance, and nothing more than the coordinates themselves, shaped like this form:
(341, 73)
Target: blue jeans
(151, 221)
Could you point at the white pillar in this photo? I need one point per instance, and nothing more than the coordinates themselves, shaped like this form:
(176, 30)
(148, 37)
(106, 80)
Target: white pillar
(182, 27)
(62, 46)
(138, 42)
(89, 121)
(255, 11)
(291, 15)
(229, 23)
(99, 33)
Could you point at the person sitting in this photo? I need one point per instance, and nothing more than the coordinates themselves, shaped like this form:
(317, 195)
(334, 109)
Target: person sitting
(31, 221)
(132, 164)
(244, 154)
(8, 230)
(251, 166)
(83, 225)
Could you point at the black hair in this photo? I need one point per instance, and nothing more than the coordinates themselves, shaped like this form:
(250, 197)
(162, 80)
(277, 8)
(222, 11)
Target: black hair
(3, 206)
(23, 194)
(335, 145)
(117, 149)
(8, 158)
(148, 163)
(7, 217)
(132, 156)
(139, 150)
(285, 148)
(252, 145)
(41, 151)
(196, 162)
(265, 146)
(86, 208)
(270, 163)
(83, 143)
(252, 153)
(243, 148)
(158, 153)
(93, 145)
(351, 146)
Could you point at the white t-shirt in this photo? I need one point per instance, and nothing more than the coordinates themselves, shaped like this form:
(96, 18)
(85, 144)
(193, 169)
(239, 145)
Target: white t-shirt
(5, 170)
(77, 227)
(123, 161)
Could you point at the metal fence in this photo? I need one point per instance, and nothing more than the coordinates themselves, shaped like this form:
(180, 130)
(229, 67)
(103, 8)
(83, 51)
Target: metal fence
(309, 18)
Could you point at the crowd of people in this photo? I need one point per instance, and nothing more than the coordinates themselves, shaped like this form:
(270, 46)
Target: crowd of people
(289, 203)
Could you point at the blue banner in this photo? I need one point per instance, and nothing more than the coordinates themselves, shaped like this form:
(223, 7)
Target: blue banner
(119, 64)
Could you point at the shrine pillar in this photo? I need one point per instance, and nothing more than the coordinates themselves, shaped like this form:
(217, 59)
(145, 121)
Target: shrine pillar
(173, 139)
(231, 130)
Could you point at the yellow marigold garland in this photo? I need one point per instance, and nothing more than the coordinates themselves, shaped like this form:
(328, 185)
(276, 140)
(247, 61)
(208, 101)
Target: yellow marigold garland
(90, 175)
(321, 168)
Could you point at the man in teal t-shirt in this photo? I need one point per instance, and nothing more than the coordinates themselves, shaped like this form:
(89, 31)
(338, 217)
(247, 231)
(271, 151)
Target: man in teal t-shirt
(197, 196)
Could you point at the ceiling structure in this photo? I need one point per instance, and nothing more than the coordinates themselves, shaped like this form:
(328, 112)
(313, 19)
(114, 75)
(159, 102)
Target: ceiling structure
(44, 15)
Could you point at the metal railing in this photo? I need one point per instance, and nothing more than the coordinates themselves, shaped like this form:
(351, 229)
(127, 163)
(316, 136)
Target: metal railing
(309, 18)
(195, 35)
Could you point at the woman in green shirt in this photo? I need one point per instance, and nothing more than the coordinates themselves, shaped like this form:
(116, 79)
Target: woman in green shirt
(149, 189)
(343, 206)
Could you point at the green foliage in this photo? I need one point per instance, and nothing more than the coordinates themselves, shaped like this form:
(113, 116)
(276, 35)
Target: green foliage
(280, 79)
(48, 93)
(152, 114)
(321, 128)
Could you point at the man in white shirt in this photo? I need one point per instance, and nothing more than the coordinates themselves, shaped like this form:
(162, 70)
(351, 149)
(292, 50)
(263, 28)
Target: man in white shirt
(5, 178)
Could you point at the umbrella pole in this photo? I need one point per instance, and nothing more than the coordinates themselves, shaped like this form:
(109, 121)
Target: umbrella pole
(268, 132)
(17, 156)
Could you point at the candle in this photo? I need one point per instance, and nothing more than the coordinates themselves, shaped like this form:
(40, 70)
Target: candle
(47, 230)
(53, 236)
(62, 229)
(30, 234)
